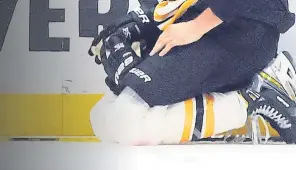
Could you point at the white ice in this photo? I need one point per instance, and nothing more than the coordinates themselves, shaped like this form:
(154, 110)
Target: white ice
(96, 156)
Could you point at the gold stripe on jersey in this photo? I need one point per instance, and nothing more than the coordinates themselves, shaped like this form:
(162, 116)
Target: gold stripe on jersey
(161, 18)
(179, 12)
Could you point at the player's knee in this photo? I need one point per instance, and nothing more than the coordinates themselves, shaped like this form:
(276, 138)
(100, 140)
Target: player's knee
(98, 121)
(119, 121)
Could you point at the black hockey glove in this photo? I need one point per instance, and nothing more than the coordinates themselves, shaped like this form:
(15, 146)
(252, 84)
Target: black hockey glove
(118, 58)
(137, 25)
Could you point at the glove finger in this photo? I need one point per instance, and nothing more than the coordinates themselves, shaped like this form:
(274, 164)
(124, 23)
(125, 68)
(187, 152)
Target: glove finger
(96, 43)
(95, 50)
(115, 42)
(104, 54)
(98, 61)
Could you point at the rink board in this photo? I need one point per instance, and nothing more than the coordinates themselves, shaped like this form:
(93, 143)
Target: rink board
(46, 115)
(62, 115)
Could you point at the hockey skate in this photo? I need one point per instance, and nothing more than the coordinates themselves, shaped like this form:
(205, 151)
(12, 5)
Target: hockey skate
(271, 99)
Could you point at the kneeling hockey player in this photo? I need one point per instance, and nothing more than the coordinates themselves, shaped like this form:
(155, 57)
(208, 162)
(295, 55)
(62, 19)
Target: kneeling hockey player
(224, 65)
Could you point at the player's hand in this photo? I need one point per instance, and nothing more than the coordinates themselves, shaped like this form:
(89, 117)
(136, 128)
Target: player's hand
(176, 35)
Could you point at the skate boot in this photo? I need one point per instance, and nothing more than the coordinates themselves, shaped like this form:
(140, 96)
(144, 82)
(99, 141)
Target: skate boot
(271, 98)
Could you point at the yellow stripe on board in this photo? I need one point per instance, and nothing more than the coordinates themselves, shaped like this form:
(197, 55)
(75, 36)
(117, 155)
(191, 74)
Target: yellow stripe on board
(68, 115)
(46, 114)
(50, 139)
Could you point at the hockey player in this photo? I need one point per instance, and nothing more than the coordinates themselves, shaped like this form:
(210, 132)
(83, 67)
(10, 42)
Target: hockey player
(184, 95)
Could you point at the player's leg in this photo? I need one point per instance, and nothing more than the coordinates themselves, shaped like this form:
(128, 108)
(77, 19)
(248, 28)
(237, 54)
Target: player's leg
(188, 71)
(271, 97)
(127, 119)
(218, 113)
(100, 121)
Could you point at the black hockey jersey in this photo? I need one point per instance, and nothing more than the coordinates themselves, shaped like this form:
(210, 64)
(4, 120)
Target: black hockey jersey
(274, 13)
(251, 28)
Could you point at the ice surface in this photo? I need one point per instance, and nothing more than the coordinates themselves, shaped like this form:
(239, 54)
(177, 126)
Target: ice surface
(96, 156)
